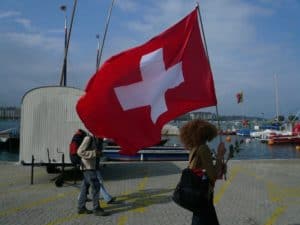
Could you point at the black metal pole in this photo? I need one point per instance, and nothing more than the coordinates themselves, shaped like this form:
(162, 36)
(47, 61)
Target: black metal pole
(65, 59)
(63, 82)
(32, 165)
(104, 35)
(98, 48)
(63, 164)
(64, 70)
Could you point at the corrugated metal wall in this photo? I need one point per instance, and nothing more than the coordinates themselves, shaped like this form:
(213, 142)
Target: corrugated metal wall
(48, 121)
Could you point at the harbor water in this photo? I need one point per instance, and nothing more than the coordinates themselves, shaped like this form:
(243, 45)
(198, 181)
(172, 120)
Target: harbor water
(9, 154)
(252, 150)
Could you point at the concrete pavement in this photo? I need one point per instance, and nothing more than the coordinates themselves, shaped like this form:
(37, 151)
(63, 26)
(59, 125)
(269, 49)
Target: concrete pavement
(256, 192)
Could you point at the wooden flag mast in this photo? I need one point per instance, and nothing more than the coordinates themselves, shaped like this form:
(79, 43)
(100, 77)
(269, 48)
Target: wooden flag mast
(224, 164)
(205, 45)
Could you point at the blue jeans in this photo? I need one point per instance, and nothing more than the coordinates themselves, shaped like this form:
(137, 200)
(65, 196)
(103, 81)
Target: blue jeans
(89, 179)
(207, 216)
(107, 197)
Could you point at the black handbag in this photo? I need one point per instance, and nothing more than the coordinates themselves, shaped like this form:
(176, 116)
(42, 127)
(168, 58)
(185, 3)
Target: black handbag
(191, 192)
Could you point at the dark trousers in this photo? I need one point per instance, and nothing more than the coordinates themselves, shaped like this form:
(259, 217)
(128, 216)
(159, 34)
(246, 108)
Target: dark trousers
(207, 216)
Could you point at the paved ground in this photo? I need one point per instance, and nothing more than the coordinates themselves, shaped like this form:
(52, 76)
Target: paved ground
(263, 192)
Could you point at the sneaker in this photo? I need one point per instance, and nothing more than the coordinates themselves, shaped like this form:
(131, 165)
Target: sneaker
(112, 200)
(100, 212)
(84, 210)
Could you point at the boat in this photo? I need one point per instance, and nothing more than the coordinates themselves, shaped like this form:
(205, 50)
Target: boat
(227, 132)
(243, 132)
(9, 139)
(110, 142)
(6, 134)
(264, 135)
(286, 138)
(155, 153)
(4, 137)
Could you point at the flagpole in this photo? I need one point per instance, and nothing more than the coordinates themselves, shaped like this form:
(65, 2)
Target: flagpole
(99, 55)
(63, 77)
(206, 51)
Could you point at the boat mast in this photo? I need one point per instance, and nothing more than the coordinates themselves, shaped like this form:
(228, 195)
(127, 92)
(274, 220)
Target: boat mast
(276, 96)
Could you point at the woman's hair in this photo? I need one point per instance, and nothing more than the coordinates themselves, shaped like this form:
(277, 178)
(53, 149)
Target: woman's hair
(197, 132)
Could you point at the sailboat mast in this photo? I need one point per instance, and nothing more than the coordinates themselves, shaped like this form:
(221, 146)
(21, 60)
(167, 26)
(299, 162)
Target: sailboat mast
(276, 96)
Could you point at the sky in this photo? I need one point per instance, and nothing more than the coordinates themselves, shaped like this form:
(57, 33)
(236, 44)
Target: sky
(251, 45)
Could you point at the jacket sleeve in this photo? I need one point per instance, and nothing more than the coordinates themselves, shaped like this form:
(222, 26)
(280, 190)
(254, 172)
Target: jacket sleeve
(207, 164)
(85, 153)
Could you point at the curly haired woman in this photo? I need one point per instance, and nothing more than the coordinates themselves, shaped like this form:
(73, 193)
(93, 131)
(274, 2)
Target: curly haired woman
(194, 135)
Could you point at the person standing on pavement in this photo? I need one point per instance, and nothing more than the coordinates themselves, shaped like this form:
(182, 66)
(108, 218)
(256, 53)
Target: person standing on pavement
(88, 156)
(194, 135)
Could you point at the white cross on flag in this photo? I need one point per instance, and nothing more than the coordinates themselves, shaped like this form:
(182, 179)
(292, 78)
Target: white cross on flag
(136, 92)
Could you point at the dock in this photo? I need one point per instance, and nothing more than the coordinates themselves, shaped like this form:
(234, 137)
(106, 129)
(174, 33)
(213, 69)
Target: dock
(256, 192)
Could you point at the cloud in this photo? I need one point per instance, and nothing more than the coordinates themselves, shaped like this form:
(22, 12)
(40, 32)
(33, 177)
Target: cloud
(248, 42)
(127, 5)
(157, 16)
(55, 31)
(26, 23)
(34, 40)
(9, 14)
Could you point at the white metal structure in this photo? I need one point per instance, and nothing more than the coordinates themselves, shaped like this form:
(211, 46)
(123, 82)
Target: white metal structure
(48, 122)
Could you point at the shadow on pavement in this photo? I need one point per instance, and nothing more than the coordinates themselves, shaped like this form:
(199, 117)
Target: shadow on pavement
(132, 170)
(139, 200)
(120, 171)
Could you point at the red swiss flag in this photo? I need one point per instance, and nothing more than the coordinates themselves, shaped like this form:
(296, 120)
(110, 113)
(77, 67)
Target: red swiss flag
(136, 92)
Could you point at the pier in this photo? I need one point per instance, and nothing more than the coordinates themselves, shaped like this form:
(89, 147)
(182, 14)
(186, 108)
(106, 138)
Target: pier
(256, 192)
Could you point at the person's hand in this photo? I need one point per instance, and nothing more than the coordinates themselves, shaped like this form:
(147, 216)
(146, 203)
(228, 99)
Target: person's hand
(221, 151)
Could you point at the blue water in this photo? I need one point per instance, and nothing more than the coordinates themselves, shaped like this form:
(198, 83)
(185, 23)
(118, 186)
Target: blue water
(7, 124)
(8, 156)
(252, 150)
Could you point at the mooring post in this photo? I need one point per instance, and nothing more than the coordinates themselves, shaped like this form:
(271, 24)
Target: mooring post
(142, 157)
(63, 164)
(32, 165)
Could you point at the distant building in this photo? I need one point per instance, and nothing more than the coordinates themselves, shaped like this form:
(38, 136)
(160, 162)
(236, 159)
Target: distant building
(202, 115)
(197, 115)
(12, 113)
